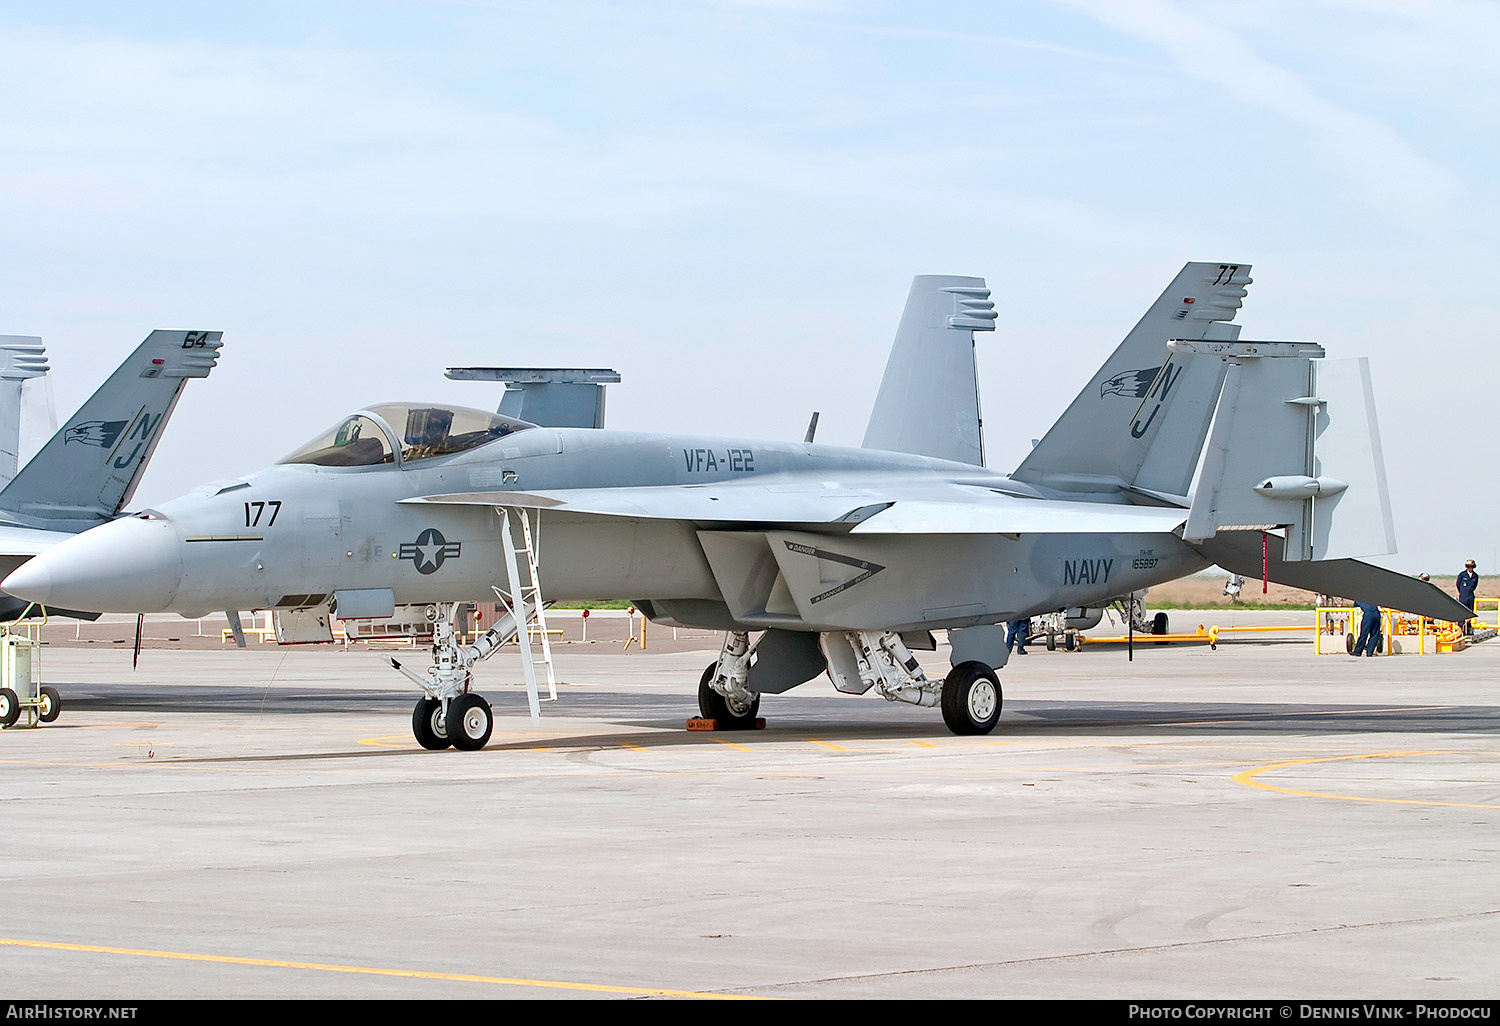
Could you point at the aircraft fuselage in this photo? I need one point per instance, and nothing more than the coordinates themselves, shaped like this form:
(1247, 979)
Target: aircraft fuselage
(292, 535)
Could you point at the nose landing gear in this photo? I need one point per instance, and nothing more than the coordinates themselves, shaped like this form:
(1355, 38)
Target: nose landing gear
(449, 714)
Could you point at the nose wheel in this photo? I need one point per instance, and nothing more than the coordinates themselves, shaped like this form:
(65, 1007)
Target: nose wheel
(469, 723)
(466, 724)
(429, 726)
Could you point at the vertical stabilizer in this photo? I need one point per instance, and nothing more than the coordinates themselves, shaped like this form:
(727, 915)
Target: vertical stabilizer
(1140, 422)
(90, 468)
(22, 358)
(928, 403)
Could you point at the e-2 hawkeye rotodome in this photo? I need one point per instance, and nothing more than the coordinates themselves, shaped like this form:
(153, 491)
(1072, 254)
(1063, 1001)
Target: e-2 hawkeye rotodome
(844, 559)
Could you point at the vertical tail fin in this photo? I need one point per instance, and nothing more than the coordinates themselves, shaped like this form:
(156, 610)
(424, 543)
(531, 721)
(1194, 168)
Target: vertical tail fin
(91, 467)
(1141, 421)
(22, 358)
(929, 398)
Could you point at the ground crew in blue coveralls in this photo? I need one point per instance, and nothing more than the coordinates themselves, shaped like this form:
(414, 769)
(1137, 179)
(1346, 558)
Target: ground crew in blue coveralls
(1020, 630)
(1468, 584)
(1369, 629)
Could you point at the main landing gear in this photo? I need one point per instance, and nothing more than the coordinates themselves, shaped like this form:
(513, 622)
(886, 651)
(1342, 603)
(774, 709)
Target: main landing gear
(969, 696)
(722, 694)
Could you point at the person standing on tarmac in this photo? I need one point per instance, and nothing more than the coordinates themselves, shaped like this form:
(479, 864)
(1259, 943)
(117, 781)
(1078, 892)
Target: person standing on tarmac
(1369, 629)
(1019, 631)
(1468, 584)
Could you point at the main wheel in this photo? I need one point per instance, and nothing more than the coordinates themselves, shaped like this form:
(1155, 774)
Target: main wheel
(50, 705)
(1159, 626)
(427, 725)
(469, 722)
(10, 707)
(971, 699)
(1051, 641)
(732, 715)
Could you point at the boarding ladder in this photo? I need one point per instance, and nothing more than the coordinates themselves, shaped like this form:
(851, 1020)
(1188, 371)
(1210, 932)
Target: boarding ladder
(523, 603)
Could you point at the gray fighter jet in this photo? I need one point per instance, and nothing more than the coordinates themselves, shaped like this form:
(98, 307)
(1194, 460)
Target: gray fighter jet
(841, 560)
(23, 358)
(90, 468)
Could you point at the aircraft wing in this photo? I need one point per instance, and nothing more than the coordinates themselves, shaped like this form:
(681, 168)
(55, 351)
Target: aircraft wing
(27, 541)
(19, 544)
(935, 509)
(727, 504)
(1020, 516)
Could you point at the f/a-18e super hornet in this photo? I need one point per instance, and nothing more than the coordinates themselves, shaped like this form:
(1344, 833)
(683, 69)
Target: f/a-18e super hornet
(23, 362)
(843, 559)
(90, 468)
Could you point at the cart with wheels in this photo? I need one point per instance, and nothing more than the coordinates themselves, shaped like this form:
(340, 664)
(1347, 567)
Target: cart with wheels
(21, 690)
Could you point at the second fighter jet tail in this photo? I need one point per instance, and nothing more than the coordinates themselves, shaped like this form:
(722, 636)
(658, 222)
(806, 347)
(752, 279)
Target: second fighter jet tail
(90, 468)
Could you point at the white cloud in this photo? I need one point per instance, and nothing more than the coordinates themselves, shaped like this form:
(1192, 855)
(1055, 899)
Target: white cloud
(1378, 165)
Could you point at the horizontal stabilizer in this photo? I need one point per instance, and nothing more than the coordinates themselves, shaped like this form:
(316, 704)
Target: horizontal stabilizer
(928, 403)
(1241, 553)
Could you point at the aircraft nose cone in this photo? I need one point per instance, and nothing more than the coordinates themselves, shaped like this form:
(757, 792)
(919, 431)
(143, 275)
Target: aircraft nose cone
(125, 566)
(34, 582)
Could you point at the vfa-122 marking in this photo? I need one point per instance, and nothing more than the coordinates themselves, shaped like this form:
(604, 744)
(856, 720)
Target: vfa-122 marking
(701, 461)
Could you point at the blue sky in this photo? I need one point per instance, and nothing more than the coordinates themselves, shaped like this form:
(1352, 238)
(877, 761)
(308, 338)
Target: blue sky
(727, 202)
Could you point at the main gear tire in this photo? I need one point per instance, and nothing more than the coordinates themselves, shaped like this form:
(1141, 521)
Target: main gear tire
(971, 699)
(731, 715)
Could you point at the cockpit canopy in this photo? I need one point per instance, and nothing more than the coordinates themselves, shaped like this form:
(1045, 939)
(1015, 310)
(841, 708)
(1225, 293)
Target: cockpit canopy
(369, 438)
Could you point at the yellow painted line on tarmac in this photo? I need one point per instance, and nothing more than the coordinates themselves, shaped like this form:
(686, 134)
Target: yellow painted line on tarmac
(923, 744)
(1248, 779)
(389, 741)
(731, 744)
(828, 744)
(276, 963)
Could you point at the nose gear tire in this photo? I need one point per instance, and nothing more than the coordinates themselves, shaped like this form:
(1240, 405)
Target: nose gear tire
(427, 725)
(469, 723)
